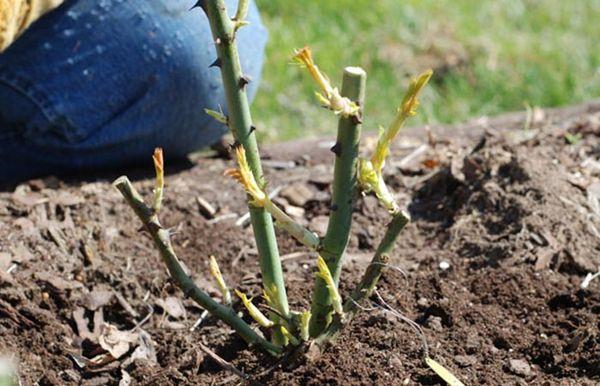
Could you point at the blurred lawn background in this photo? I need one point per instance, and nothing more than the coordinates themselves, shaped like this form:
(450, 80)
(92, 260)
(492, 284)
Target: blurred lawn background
(488, 56)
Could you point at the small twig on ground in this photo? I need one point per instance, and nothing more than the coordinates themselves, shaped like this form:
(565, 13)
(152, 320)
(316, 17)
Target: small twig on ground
(206, 208)
(405, 162)
(198, 322)
(226, 365)
(146, 318)
(11, 268)
(294, 256)
(125, 304)
(223, 217)
(588, 279)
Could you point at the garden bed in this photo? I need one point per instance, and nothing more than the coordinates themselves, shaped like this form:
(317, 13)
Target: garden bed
(506, 224)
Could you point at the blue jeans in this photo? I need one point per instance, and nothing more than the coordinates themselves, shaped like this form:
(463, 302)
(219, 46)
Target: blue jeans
(100, 83)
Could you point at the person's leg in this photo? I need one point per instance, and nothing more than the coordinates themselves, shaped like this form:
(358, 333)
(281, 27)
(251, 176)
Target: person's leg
(98, 84)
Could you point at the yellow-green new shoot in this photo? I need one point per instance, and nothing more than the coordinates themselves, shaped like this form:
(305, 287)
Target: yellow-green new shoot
(325, 274)
(329, 96)
(289, 336)
(159, 168)
(217, 115)
(215, 271)
(304, 321)
(239, 19)
(370, 180)
(270, 296)
(407, 109)
(261, 199)
(370, 175)
(256, 314)
(244, 176)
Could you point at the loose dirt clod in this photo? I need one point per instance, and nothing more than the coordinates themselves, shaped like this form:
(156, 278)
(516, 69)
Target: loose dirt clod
(519, 367)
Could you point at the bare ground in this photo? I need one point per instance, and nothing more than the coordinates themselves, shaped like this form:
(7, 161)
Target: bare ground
(513, 214)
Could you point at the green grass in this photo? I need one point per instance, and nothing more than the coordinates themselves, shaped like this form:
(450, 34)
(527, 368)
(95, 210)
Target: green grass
(489, 57)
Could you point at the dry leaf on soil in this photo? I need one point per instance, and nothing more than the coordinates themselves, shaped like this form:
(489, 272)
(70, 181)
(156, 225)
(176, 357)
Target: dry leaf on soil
(114, 341)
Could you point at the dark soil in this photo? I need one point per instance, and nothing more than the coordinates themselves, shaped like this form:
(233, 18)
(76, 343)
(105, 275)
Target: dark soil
(514, 214)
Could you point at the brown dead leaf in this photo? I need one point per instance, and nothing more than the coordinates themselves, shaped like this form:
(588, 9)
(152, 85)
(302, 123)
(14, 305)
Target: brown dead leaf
(145, 350)
(97, 298)
(116, 342)
(172, 306)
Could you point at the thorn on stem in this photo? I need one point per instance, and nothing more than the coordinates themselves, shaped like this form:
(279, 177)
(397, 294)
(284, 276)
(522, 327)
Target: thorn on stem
(244, 80)
(217, 63)
(188, 291)
(337, 149)
(201, 4)
(234, 145)
(333, 207)
(252, 129)
(357, 118)
(153, 227)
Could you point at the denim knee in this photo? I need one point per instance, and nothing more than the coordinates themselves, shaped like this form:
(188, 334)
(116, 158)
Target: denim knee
(110, 80)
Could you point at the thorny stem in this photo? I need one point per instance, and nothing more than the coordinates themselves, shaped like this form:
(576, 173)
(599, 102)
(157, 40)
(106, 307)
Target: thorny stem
(342, 198)
(369, 280)
(161, 239)
(240, 123)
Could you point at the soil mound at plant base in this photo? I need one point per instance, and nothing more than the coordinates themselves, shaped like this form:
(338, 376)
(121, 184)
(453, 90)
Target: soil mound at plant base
(505, 226)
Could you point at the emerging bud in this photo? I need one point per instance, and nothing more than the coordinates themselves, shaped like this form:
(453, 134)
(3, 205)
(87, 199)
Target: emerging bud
(410, 101)
(370, 172)
(304, 322)
(256, 314)
(157, 157)
(271, 297)
(325, 274)
(215, 271)
(371, 181)
(288, 335)
(245, 177)
(407, 109)
(329, 96)
(260, 199)
(240, 15)
(217, 115)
